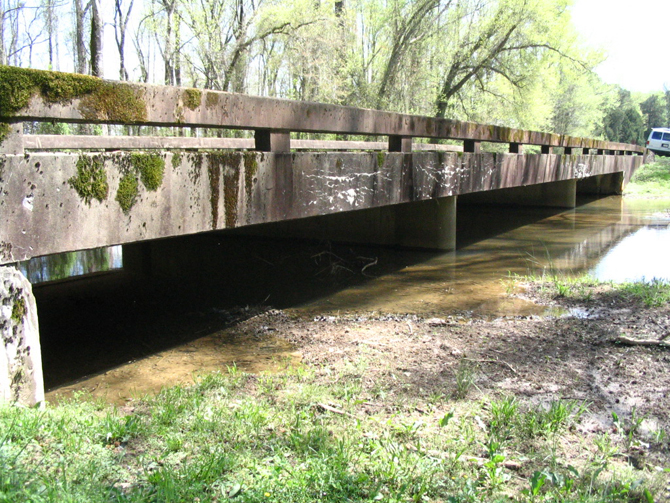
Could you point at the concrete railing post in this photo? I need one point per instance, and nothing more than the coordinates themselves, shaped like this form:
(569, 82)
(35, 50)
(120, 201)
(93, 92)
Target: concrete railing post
(471, 146)
(21, 378)
(400, 144)
(545, 149)
(515, 148)
(568, 151)
(272, 141)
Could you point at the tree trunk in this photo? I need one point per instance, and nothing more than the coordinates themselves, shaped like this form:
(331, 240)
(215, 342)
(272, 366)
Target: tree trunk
(80, 44)
(96, 39)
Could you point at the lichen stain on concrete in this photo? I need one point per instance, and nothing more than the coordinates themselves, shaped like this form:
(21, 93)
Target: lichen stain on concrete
(250, 171)
(226, 165)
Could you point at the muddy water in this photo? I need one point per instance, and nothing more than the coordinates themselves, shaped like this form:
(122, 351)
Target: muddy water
(159, 343)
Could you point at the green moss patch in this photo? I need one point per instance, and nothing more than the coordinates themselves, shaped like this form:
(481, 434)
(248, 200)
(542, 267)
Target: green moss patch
(128, 191)
(18, 310)
(100, 100)
(211, 99)
(192, 98)
(176, 160)
(150, 168)
(4, 131)
(91, 179)
(250, 170)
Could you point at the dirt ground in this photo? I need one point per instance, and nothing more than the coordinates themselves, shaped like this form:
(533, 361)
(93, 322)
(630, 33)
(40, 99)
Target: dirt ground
(573, 356)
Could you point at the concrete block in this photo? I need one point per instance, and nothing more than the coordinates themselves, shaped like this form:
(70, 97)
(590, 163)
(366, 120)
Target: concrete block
(21, 379)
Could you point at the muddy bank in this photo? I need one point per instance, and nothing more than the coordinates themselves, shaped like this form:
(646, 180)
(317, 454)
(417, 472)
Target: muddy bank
(536, 359)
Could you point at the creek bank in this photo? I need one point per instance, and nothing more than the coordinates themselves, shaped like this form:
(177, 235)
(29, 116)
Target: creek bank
(535, 359)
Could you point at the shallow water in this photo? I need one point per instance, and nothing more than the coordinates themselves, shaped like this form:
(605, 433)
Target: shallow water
(612, 238)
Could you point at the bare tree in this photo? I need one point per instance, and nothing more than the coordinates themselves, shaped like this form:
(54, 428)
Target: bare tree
(120, 29)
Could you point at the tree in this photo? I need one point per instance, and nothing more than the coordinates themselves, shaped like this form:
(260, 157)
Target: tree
(623, 122)
(507, 39)
(121, 19)
(653, 112)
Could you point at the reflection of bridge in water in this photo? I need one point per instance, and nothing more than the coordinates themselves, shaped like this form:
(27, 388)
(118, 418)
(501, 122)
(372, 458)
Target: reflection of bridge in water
(121, 193)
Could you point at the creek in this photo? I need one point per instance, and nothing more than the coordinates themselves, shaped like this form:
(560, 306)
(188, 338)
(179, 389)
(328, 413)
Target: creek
(116, 340)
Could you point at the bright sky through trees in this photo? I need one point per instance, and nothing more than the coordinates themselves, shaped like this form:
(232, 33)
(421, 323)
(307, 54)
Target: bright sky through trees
(634, 35)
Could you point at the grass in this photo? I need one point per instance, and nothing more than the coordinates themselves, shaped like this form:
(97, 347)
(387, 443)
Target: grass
(266, 438)
(651, 180)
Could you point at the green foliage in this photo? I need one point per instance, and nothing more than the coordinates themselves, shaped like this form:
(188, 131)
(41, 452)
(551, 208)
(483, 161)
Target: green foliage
(127, 193)
(91, 179)
(654, 293)
(226, 437)
(651, 180)
(623, 122)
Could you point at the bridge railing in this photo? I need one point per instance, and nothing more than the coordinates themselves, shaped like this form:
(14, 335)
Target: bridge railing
(40, 96)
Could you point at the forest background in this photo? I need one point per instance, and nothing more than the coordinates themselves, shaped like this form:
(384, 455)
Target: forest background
(516, 63)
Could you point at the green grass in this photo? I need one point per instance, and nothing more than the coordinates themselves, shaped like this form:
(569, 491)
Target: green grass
(651, 180)
(266, 439)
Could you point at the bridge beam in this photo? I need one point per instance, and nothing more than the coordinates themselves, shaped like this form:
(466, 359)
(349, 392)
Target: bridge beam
(560, 194)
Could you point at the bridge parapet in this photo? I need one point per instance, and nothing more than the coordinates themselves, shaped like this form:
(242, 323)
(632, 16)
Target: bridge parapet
(34, 95)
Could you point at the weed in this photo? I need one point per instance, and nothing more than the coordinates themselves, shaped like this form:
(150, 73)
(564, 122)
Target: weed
(465, 379)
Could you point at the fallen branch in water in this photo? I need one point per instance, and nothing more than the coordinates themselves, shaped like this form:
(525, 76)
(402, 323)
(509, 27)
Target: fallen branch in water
(622, 339)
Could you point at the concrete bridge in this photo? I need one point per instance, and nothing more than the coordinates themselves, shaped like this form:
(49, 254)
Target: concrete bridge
(65, 193)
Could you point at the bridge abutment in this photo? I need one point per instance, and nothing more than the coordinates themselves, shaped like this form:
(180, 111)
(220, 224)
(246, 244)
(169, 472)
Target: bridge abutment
(602, 185)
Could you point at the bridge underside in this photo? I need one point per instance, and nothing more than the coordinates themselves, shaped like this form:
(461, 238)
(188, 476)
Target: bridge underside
(51, 206)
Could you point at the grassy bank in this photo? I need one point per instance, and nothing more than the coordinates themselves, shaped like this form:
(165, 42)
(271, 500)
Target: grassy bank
(292, 438)
(651, 180)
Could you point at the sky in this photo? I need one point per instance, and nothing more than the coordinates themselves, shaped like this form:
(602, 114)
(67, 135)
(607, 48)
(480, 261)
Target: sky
(635, 36)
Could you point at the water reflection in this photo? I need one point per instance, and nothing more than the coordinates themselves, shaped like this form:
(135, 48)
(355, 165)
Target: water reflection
(66, 265)
(644, 255)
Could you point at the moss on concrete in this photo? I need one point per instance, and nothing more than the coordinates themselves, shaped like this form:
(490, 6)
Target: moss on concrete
(176, 159)
(100, 100)
(18, 309)
(5, 129)
(116, 102)
(91, 179)
(211, 99)
(224, 165)
(127, 193)
(192, 98)
(250, 170)
(150, 167)
(381, 157)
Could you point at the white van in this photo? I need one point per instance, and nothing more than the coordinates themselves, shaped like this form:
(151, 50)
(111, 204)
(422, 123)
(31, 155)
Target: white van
(659, 141)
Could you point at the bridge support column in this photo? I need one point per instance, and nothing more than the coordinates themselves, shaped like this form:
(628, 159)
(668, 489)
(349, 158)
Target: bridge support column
(21, 379)
(609, 184)
(137, 259)
(427, 224)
